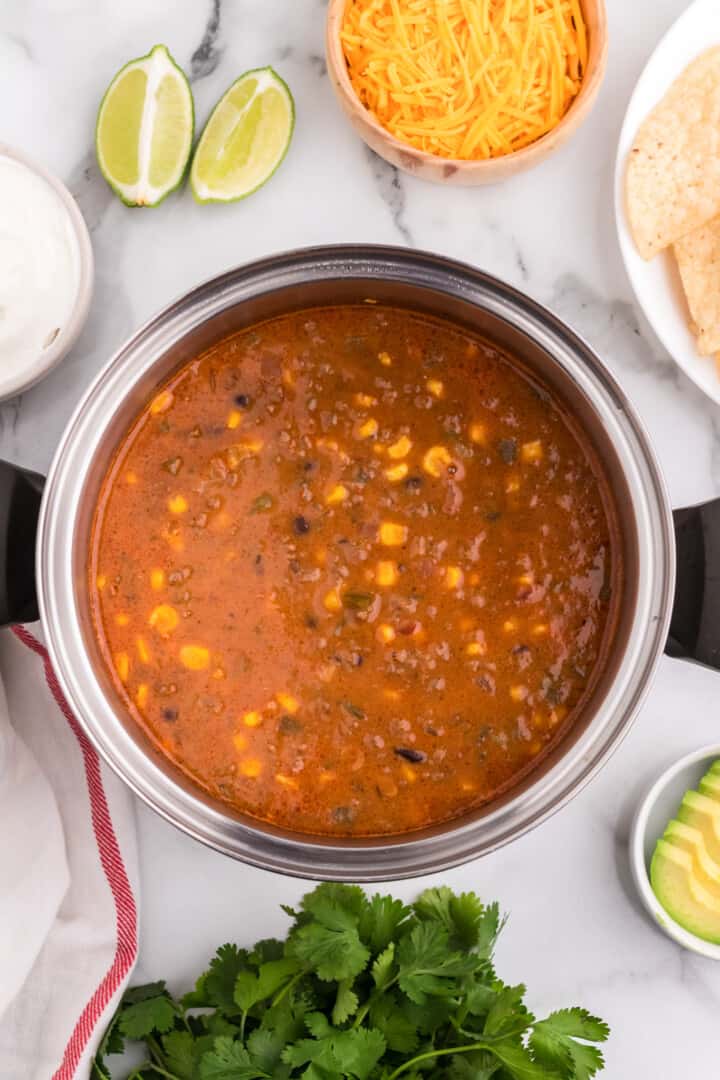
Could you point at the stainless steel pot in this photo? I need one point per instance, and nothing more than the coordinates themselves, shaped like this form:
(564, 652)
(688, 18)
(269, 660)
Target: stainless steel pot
(423, 282)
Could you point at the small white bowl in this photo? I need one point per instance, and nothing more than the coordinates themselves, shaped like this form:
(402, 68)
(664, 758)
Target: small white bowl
(658, 807)
(50, 356)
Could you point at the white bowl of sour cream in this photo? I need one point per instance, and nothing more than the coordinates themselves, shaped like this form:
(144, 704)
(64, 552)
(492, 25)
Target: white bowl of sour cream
(46, 271)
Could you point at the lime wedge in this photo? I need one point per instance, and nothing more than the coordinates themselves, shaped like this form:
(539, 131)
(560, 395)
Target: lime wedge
(145, 129)
(245, 139)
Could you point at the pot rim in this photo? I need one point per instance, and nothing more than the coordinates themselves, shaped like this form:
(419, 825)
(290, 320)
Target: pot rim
(375, 859)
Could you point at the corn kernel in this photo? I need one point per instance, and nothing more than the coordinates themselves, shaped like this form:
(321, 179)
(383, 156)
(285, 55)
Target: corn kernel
(194, 657)
(287, 702)
(510, 626)
(392, 695)
(336, 495)
(251, 768)
(239, 742)
(234, 419)
(396, 472)
(436, 460)
(101, 582)
(409, 773)
(288, 377)
(368, 428)
(252, 719)
(518, 693)
(122, 665)
(121, 619)
(476, 648)
(157, 579)
(385, 359)
(512, 485)
(332, 600)
(366, 401)
(435, 387)
(392, 534)
(400, 448)
(177, 504)
(161, 402)
(164, 618)
(174, 540)
(379, 448)
(530, 452)
(131, 477)
(385, 634)
(540, 629)
(478, 434)
(286, 781)
(386, 573)
(525, 579)
(141, 695)
(468, 787)
(326, 776)
(142, 650)
(557, 714)
(454, 577)
(219, 674)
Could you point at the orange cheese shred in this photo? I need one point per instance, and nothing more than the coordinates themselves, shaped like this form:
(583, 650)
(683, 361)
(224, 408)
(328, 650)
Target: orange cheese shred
(466, 79)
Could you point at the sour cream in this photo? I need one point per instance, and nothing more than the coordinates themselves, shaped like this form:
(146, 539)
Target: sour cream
(40, 271)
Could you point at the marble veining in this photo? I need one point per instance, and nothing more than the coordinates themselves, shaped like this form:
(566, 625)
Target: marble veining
(576, 931)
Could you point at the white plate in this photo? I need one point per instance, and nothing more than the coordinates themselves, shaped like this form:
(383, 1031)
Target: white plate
(657, 283)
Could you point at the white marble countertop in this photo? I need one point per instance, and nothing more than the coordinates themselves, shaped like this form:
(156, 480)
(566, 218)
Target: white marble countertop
(576, 933)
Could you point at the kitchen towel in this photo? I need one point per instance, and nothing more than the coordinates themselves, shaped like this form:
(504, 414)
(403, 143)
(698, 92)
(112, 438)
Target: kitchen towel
(68, 876)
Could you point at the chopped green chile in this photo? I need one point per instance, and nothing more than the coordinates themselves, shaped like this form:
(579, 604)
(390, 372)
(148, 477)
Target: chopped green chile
(354, 571)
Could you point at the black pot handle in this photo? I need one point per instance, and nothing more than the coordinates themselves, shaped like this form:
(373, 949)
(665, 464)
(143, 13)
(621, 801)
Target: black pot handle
(20, 495)
(695, 623)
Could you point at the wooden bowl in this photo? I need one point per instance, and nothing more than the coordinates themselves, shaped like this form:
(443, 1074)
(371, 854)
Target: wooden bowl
(452, 171)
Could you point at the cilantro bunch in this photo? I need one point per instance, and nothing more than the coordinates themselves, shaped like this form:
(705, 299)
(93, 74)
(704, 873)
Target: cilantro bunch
(364, 989)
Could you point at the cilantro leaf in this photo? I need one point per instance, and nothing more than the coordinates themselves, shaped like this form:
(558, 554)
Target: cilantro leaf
(181, 1053)
(229, 1060)
(346, 1002)
(520, 1064)
(383, 968)
(507, 1012)
(266, 1045)
(554, 1042)
(352, 1053)
(469, 924)
(398, 1030)
(149, 1016)
(219, 985)
(427, 967)
(329, 943)
(381, 921)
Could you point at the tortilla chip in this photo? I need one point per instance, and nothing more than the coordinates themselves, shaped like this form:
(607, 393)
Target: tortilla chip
(673, 175)
(698, 259)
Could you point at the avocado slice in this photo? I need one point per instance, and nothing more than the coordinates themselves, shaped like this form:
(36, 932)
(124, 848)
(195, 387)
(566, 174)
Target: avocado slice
(700, 812)
(681, 894)
(710, 786)
(706, 870)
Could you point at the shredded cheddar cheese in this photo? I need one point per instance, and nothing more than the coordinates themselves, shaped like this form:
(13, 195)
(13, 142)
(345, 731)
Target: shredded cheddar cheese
(466, 79)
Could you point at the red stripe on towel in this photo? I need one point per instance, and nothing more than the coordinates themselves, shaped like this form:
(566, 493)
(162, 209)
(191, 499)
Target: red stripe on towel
(115, 873)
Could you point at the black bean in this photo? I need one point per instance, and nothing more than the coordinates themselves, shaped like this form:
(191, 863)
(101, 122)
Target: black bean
(493, 515)
(289, 725)
(518, 649)
(311, 622)
(170, 715)
(243, 401)
(354, 710)
(413, 483)
(301, 525)
(358, 601)
(415, 756)
(508, 450)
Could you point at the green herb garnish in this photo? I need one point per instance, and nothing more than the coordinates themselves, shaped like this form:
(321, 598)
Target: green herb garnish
(361, 989)
(262, 503)
(358, 601)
